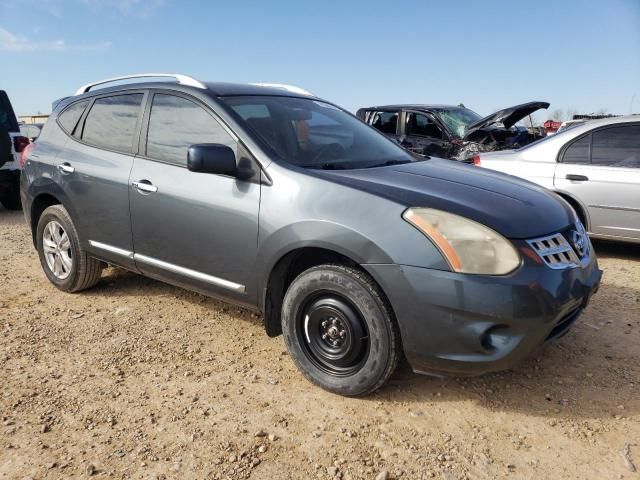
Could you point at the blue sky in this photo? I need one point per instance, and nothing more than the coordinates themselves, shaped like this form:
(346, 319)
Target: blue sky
(583, 55)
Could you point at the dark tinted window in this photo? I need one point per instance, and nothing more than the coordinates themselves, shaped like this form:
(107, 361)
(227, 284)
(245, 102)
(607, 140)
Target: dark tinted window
(70, 116)
(386, 122)
(111, 122)
(422, 125)
(177, 123)
(617, 147)
(578, 151)
(8, 119)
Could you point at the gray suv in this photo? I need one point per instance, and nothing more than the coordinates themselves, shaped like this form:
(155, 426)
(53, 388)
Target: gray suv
(271, 198)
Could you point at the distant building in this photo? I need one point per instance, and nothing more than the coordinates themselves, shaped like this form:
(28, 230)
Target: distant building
(37, 118)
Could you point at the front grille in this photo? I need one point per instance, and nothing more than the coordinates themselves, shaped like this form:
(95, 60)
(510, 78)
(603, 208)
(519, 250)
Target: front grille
(555, 251)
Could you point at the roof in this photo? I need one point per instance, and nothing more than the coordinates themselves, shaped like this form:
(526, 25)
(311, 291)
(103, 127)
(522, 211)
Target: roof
(223, 89)
(414, 106)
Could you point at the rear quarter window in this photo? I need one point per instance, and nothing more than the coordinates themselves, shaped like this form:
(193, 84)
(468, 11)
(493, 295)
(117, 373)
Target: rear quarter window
(69, 117)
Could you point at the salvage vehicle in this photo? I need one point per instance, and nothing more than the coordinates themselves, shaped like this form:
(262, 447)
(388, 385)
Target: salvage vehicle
(595, 166)
(12, 143)
(274, 199)
(448, 131)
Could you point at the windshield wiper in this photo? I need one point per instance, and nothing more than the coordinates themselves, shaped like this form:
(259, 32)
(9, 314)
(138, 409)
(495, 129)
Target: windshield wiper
(322, 166)
(388, 163)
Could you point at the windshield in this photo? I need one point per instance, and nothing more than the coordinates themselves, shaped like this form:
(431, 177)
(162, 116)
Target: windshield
(457, 119)
(314, 134)
(559, 133)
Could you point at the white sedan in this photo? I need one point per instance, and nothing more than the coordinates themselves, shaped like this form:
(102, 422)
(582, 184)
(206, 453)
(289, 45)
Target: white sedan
(594, 166)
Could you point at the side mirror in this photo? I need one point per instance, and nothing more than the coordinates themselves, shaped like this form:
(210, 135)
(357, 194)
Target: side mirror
(212, 158)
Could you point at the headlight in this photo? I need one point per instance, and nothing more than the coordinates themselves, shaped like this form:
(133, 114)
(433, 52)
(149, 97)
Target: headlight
(468, 246)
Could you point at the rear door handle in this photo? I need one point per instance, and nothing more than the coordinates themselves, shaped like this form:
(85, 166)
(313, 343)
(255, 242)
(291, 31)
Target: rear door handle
(144, 186)
(66, 168)
(576, 178)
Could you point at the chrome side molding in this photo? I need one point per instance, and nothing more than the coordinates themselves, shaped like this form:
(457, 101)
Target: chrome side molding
(170, 267)
(110, 248)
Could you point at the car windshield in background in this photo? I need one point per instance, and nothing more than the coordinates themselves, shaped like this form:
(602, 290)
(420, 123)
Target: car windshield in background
(314, 134)
(561, 133)
(458, 119)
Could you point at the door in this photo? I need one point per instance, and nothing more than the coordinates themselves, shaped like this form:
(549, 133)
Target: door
(602, 170)
(196, 230)
(93, 172)
(424, 136)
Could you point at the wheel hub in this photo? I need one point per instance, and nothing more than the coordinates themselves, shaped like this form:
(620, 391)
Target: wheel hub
(335, 335)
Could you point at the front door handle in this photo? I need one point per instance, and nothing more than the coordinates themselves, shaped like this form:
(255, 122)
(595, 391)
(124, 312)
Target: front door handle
(66, 168)
(576, 178)
(144, 186)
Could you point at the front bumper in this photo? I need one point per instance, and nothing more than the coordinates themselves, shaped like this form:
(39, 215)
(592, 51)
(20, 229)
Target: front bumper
(459, 324)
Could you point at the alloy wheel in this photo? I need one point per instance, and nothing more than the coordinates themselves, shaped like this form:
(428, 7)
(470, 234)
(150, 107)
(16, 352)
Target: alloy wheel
(57, 250)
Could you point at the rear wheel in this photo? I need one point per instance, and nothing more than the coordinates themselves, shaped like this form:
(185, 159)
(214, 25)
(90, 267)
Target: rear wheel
(340, 330)
(63, 260)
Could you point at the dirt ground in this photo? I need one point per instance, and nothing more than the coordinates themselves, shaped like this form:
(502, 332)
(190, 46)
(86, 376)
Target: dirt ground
(137, 379)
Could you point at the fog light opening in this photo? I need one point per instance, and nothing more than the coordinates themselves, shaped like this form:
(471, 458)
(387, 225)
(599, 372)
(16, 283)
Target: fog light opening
(494, 338)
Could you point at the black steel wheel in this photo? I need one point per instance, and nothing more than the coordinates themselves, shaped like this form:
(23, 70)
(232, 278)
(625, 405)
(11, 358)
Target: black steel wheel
(340, 330)
(333, 334)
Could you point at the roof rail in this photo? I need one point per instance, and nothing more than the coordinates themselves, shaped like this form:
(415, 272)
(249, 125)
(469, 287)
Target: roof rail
(288, 88)
(182, 79)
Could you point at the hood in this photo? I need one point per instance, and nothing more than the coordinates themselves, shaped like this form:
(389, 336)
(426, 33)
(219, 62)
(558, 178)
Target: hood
(507, 117)
(511, 206)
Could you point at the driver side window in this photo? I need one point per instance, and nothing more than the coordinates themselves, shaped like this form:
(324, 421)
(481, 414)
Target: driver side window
(422, 126)
(175, 124)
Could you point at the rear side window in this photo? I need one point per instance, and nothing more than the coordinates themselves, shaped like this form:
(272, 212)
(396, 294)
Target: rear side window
(578, 151)
(176, 123)
(617, 147)
(68, 119)
(386, 122)
(111, 122)
(422, 126)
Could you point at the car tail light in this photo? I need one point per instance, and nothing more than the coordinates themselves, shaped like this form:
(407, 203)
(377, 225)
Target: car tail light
(476, 160)
(24, 154)
(20, 143)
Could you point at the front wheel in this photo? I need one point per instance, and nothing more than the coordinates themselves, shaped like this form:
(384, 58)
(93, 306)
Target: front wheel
(340, 330)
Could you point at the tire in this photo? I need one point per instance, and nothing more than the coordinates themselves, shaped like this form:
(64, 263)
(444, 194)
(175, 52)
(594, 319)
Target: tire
(340, 330)
(74, 270)
(10, 198)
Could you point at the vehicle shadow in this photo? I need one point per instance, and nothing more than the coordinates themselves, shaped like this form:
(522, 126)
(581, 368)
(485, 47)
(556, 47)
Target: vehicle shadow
(589, 373)
(616, 250)
(592, 372)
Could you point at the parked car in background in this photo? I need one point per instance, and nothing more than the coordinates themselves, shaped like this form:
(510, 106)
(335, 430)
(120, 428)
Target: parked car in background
(595, 166)
(31, 130)
(269, 197)
(9, 153)
(569, 123)
(448, 131)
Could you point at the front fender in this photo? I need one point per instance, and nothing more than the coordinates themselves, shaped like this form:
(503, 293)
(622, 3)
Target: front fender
(319, 234)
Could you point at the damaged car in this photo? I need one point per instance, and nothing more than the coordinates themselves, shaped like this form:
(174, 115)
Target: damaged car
(449, 131)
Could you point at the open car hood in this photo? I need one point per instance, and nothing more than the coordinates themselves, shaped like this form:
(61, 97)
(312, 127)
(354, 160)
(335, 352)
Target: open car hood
(507, 117)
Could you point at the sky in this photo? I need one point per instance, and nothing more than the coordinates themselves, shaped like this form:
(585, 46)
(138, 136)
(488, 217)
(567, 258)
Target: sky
(577, 55)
